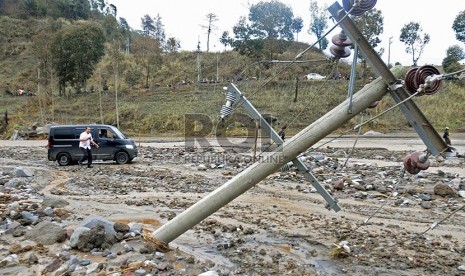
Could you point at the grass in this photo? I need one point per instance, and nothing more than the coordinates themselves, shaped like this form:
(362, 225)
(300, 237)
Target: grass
(163, 112)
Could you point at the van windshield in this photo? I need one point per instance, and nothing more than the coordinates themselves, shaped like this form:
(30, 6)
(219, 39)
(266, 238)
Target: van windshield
(118, 133)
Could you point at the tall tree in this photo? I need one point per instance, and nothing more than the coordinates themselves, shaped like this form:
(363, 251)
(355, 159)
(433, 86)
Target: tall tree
(297, 25)
(41, 46)
(411, 35)
(459, 26)
(147, 25)
(211, 19)
(271, 20)
(451, 63)
(76, 51)
(126, 33)
(318, 22)
(147, 52)
(371, 24)
(159, 29)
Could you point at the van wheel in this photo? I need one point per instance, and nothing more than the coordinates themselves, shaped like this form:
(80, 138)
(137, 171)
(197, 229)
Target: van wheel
(122, 157)
(64, 159)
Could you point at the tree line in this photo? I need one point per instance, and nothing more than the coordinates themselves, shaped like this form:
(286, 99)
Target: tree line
(81, 33)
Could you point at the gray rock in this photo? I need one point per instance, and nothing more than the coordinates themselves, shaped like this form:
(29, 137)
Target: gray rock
(29, 216)
(48, 211)
(15, 183)
(140, 272)
(47, 233)
(73, 241)
(111, 256)
(94, 220)
(84, 262)
(135, 227)
(10, 260)
(92, 268)
(426, 204)
(54, 202)
(20, 172)
(461, 268)
(53, 265)
(456, 183)
(425, 197)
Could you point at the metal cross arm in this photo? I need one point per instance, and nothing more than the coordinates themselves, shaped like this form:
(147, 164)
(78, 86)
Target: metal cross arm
(234, 94)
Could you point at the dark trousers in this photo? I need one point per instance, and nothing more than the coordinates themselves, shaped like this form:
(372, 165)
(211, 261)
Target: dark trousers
(88, 154)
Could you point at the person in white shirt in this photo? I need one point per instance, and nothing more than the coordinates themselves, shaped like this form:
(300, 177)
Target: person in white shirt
(85, 141)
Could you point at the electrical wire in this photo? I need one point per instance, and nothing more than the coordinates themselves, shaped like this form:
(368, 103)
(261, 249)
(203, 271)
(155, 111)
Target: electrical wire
(293, 61)
(355, 143)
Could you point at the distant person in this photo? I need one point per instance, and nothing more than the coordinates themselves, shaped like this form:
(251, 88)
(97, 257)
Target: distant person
(282, 133)
(85, 141)
(446, 136)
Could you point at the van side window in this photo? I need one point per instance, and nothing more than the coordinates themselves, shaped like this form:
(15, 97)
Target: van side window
(105, 134)
(64, 133)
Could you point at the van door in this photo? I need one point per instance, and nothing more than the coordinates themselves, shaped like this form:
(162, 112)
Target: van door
(107, 141)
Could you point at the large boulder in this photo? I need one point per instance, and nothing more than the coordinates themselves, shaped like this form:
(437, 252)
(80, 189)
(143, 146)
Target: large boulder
(47, 233)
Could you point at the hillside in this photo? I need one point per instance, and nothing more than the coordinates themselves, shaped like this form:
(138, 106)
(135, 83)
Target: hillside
(174, 91)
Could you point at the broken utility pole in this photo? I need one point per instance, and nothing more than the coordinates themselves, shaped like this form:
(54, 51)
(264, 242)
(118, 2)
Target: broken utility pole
(299, 143)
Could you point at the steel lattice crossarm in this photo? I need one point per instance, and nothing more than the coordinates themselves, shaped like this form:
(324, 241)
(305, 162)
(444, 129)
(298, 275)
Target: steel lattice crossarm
(234, 95)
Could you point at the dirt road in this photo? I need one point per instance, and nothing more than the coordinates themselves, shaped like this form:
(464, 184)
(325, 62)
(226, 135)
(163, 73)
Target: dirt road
(281, 226)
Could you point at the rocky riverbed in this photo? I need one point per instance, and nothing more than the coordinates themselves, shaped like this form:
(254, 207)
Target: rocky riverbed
(78, 221)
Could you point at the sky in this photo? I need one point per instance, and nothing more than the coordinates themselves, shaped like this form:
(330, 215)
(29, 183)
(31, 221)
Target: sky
(183, 19)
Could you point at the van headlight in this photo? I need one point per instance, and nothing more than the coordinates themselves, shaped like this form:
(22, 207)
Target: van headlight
(129, 146)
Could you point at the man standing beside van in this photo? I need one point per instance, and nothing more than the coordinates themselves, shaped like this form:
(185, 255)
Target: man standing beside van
(85, 140)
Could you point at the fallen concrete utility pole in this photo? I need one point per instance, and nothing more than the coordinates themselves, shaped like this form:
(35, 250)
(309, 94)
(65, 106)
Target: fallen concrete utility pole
(272, 161)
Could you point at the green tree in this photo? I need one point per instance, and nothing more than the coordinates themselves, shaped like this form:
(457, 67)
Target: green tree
(76, 50)
(451, 63)
(111, 28)
(414, 40)
(271, 20)
(297, 25)
(147, 24)
(126, 33)
(159, 30)
(225, 39)
(459, 26)
(75, 9)
(244, 42)
(318, 22)
(173, 45)
(371, 24)
(147, 52)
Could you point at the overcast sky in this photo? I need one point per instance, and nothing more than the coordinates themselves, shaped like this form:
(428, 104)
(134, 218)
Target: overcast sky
(183, 20)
